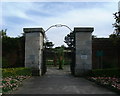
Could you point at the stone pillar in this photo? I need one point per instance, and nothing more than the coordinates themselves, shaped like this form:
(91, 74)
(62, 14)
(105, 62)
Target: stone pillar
(33, 49)
(83, 48)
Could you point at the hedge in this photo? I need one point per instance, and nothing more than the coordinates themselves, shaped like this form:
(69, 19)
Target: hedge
(105, 73)
(7, 72)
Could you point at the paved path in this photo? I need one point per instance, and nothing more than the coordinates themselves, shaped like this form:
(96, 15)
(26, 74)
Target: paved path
(60, 82)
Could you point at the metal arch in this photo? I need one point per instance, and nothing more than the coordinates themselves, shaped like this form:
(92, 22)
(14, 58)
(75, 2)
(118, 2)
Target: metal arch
(67, 27)
(57, 25)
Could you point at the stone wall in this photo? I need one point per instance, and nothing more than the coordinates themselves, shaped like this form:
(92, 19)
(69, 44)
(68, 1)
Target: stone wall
(109, 53)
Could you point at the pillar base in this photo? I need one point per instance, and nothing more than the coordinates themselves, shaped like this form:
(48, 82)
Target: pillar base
(35, 72)
(81, 72)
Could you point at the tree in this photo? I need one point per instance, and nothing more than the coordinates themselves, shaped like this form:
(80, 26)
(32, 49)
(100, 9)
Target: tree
(69, 40)
(60, 52)
(3, 33)
(49, 44)
(12, 50)
(117, 23)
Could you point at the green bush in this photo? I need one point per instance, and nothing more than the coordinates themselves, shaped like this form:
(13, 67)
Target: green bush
(49, 62)
(105, 73)
(7, 72)
(5, 63)
(67, 62)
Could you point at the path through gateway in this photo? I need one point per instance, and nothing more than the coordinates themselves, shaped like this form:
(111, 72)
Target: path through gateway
(34, 38)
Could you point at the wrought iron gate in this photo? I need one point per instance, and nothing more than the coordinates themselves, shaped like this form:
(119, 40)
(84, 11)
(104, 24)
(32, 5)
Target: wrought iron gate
(43, 66)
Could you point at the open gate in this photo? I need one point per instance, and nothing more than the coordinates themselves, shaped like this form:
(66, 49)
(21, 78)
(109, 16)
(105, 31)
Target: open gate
(46, 52)
(43, 66)
(72, 64)
(50, 58)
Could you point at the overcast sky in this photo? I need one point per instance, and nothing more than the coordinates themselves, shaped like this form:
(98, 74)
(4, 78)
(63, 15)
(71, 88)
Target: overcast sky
(18, 15)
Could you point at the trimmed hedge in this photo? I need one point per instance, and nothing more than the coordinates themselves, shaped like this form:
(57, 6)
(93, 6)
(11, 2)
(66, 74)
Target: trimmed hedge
(104, 73)
(7, 72)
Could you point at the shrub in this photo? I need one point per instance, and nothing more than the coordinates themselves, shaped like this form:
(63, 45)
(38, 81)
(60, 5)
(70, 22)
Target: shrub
(105, 73)
(7, 72)
(5, 63)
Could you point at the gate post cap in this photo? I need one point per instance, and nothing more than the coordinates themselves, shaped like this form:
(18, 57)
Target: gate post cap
(32, 30)
(83, 29)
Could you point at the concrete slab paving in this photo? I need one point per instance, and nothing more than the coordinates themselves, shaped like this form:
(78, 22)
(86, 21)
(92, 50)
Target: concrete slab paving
(60, 82)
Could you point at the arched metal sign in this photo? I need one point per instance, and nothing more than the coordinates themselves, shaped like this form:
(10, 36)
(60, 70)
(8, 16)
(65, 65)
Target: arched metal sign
(57, 25)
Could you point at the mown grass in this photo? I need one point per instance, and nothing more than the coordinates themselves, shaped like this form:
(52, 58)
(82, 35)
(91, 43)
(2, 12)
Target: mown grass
(66, 62)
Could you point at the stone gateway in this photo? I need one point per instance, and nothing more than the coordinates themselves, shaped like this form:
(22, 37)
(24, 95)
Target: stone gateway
(34, 38)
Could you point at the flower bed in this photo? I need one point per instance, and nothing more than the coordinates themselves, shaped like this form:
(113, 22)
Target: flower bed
(13, 77)
(11, 83)
(110, 82)
(109, 78)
